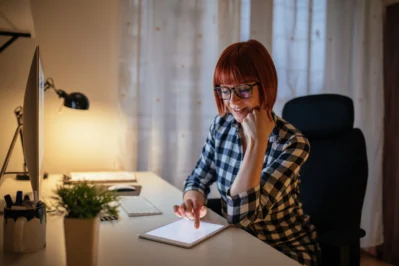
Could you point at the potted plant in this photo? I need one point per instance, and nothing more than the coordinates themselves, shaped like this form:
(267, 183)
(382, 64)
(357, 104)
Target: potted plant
(82, 204)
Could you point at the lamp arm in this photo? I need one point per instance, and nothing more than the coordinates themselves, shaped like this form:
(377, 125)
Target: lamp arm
(59, 92)
(49, 84)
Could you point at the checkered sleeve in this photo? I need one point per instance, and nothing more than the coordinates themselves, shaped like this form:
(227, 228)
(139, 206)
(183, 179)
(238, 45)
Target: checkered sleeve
(253, 205)
(204, 173)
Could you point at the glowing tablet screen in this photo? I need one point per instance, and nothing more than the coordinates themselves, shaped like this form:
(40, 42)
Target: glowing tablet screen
(184, 231)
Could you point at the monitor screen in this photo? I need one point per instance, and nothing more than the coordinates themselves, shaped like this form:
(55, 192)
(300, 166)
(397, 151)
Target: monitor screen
(33, 123)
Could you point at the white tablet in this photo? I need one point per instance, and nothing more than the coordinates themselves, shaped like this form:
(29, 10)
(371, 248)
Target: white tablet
(182, 233)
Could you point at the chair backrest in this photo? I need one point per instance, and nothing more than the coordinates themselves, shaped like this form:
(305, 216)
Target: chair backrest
(334, 179)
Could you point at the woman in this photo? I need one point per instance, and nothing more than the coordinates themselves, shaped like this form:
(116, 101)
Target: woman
(254, 156)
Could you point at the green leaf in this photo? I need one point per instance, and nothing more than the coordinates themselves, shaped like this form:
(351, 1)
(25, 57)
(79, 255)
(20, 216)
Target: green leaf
(84, 200)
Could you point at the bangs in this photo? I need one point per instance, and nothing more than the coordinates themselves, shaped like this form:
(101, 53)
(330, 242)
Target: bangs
(233, 68)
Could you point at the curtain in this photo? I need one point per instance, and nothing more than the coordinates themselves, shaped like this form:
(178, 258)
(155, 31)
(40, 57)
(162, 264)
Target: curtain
(170, 49)
(354, 67)
(299, 48)
(168, 54)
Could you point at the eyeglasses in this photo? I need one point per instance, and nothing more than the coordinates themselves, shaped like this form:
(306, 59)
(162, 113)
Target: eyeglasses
(244, 91)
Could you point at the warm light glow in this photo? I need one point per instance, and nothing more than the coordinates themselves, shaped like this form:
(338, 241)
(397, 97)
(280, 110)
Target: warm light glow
(81, 140)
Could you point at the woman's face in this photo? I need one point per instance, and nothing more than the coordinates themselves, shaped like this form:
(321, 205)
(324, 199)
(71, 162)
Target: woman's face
(241, 107)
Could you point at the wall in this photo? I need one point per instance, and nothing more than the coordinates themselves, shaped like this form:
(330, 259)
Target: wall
(79, 44)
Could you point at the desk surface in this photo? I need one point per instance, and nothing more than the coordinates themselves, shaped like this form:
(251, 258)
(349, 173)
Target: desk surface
(119, 244)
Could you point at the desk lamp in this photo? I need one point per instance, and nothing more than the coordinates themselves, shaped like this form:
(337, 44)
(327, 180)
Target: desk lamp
(73, 100)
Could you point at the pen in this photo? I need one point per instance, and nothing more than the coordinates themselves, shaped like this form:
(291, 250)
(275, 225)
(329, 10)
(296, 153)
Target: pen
(18, 198)
(8, 200)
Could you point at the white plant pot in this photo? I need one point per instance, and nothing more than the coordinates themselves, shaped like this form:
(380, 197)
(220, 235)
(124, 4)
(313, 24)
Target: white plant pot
(81, 241)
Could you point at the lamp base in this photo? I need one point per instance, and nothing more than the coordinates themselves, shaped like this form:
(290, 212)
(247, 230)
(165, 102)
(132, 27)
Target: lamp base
(25, 177)
(22, 177)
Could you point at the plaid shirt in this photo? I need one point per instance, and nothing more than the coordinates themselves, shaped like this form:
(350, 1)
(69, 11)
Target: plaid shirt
(270, 211)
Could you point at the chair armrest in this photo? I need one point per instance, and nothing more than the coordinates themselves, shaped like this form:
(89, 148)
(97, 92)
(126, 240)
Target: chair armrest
(341, 237)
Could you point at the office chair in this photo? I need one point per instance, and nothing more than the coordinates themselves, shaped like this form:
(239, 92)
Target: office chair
(334, 179)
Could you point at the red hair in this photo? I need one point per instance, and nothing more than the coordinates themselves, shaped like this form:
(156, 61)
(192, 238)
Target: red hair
(245, 62)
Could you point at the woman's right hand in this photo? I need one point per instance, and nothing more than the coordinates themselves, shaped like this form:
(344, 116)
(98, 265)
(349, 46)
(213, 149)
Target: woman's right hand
(192, 207)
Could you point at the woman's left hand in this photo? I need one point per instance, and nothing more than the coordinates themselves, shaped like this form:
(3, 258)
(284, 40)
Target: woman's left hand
(258, 125)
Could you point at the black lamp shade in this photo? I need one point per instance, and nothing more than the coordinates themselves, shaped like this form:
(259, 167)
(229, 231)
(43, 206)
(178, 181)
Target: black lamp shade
(76, 100)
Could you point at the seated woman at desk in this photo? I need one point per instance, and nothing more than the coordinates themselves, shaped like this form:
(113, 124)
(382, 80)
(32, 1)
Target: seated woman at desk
(254, 156)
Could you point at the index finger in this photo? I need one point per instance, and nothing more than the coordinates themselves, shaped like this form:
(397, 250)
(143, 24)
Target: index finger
(196, 210)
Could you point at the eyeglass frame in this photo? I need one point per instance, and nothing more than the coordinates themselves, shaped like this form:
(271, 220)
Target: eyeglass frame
(251, 86)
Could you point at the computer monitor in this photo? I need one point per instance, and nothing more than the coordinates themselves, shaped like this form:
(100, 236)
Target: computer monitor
(33, 123)
(33, 126)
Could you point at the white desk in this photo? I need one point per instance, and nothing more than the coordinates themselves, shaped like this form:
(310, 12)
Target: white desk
(119, 244)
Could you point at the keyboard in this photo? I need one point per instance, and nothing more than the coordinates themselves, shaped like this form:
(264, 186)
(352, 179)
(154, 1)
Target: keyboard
(138, 206)
(111, 176)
